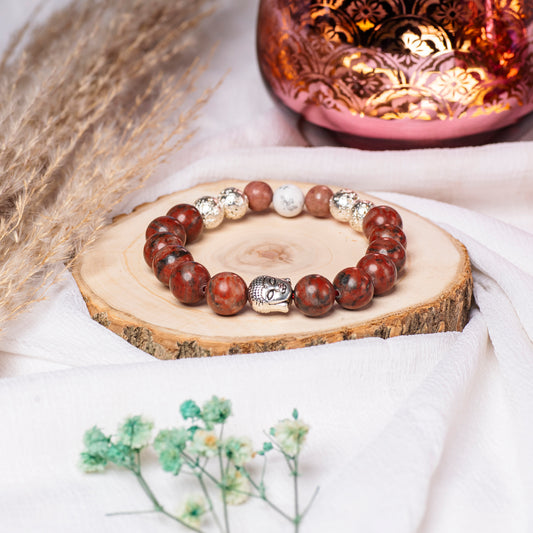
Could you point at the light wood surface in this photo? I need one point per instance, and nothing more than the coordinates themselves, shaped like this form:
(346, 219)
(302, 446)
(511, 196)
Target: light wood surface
(434, 293)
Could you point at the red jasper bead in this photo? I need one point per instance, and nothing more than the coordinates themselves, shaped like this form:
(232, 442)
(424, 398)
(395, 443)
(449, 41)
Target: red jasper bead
(389, 247)
(389, 231)
(188, 282)
(259, 195)
(190, 218)
(354, 288)
(167, 259)
(166, 224)
(317, 201)
(226, 293)
(382, 271)
(157, 241)
(379, 216)
(314, 295)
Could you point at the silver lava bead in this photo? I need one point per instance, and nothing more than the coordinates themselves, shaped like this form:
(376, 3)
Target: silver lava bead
(211, 210)
(288, 201)
(359, 211)
(234, 202)
(341, 204)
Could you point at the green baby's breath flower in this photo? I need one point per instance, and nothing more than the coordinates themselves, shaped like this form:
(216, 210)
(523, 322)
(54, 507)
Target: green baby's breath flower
(121, 455)
(135, 432)
(216, 411)
(190, 409)
(237, 487)
(169, 444)
(95, 441)
(92, 463)
(204, 443)
(290, 435)
(239, 450)
(192, 511)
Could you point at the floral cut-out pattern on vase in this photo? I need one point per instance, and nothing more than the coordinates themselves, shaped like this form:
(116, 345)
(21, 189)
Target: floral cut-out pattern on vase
(420, 72)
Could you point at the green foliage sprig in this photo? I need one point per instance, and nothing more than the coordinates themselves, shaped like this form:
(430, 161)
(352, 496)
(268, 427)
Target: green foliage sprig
(199, 448)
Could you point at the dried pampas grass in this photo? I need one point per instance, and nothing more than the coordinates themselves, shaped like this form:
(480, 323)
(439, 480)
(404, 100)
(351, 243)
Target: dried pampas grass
(85, 101)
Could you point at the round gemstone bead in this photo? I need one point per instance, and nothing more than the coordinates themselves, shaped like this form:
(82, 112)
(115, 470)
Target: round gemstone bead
(234, 202)
(166, 224)
(167, 259)
(157, 241)
(259, 195)
(359, 212)
(382, 271)
(379, 216)
(341, 204)
(190, 218)
(288, 201)
(317, 201)
(226, 293)
(188, 282)
(354, 288)
(389, 231)
(211, 210)
(391, 248)
(314, 295)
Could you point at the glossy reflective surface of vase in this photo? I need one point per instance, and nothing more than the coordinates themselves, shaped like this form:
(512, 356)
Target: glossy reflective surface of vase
(420, 72)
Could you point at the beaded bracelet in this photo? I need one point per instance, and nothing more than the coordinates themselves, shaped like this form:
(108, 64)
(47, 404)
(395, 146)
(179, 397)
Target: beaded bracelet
(314, 295)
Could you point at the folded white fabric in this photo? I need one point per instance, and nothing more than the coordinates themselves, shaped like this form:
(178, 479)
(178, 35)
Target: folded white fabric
(421, 433)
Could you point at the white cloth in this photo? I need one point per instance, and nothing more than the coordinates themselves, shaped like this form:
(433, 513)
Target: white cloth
(428, 433)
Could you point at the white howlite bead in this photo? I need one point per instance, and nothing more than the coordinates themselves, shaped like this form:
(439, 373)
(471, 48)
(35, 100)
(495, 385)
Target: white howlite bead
(211, 210)
(234, 202)
(288, 201)
(359, 211)
(341, 204)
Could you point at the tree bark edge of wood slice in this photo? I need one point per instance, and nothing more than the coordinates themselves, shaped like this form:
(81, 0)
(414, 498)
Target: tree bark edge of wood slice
(447, 310)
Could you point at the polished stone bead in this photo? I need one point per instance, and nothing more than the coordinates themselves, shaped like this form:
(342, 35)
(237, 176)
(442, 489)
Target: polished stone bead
(226, 293)
(167, 259)
(389, 247)
(390, 231)
(188, 282)
(288, 201)
(382, 271)
(354, 288)
(341, 204)
(379, 216)
(317, 201)
(211, 210)
(190, 218)
(314, 295)
(166, 224)
(234, 203)
(155, 242)
(259, 195)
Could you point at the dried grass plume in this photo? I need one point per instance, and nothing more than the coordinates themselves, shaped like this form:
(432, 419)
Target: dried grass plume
(85, 101)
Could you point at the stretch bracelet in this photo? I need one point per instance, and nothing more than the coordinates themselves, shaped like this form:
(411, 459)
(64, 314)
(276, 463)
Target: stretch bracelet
(314, 295)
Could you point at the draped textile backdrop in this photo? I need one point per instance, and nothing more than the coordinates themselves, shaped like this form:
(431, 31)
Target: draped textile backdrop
(429, 433)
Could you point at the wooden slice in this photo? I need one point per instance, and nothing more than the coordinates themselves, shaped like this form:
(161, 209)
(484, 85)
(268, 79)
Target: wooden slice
(434, 294)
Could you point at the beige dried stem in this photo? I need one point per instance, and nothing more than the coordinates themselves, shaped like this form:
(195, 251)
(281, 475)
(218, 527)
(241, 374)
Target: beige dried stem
(91, 101)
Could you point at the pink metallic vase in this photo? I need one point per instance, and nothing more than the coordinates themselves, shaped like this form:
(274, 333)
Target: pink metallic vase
(416, 73)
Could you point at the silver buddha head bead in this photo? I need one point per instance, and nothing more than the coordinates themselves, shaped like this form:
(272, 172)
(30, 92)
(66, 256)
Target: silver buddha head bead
(211, 210)
(268, 294)
(359, 211)
(341, 204)
(234, 202)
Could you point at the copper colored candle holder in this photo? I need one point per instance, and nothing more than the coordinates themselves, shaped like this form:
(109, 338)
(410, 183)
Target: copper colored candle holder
(420, 72)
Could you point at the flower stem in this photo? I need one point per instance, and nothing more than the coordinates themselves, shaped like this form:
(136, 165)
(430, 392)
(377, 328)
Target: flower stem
(297, 517)
(157, 506)
(210, 502)
(223, 488)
